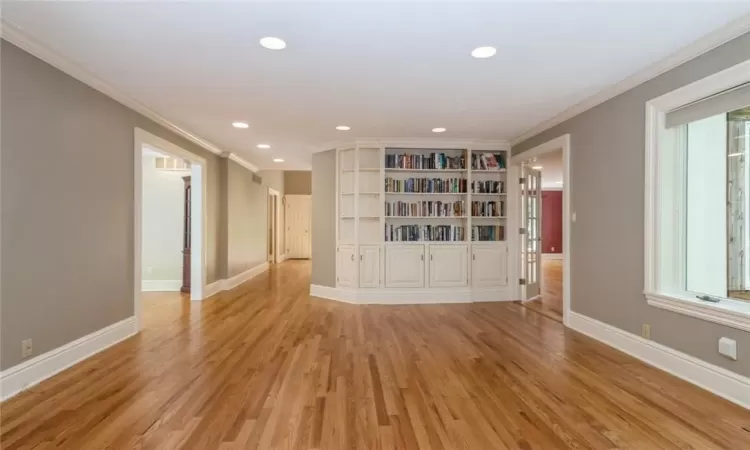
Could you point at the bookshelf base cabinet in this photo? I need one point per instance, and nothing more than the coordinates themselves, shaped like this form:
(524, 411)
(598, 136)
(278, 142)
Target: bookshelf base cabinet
(423, 221)
(448, 265)
(404, 266)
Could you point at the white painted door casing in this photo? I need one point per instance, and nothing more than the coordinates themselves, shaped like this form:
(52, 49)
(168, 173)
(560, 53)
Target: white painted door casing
(404, 266)
(489, 265)
(346, 266)
(448, 265)
(369, 266)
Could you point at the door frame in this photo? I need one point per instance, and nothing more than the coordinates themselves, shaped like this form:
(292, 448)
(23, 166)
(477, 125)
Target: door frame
(278, 254)
(523, 240)
(198, 236)
(559, 143)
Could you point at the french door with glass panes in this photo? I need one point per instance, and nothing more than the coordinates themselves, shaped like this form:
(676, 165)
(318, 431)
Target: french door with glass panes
(531, 216)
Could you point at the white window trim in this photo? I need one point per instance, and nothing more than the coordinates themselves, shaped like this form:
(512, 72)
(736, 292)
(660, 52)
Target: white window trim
(733, 313)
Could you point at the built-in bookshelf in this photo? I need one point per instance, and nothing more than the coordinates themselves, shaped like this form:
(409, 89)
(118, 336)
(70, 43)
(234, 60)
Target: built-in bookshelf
(421, 194)
(414, 217)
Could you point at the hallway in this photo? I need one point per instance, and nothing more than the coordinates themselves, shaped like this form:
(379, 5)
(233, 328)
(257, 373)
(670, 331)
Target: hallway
(550, 304)
(266, 366)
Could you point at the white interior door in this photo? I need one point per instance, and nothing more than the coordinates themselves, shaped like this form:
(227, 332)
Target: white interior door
(298, 220)
(531, 237)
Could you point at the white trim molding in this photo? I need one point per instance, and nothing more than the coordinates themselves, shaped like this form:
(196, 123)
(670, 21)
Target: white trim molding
(233, 282)
(708, 42)
(416, 296)
(30, 44)
(30, 373)
(732, 313)
(161, 285)
(717, 380)
(664, 285)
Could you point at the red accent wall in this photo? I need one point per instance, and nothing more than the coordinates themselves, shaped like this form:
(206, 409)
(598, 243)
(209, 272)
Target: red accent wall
(552, 203)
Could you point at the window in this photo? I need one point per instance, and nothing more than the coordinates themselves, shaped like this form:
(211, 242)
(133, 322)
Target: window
(697, 199)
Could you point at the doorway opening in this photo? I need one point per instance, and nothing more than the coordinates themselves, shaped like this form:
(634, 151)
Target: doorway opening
(544, 241)
(169, 254)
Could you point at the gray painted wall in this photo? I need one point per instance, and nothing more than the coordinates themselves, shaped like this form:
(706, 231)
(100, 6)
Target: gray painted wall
(298, 182)
(246, 222)
(607, 163)
(324, 218)
(67, 206)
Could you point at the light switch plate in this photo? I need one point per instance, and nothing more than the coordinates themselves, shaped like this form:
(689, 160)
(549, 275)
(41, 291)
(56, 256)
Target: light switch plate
(728, 348)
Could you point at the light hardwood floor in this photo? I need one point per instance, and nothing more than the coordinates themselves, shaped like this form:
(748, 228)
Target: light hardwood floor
(550, 304)
(266, 366)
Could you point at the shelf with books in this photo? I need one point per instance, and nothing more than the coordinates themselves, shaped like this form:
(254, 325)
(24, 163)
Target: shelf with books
(455, 194)
(419, 159)
(427, 217)
(490, 217)
(487, 194)
(424, 233)
(426, 170)
(487, 233)
(489, 161)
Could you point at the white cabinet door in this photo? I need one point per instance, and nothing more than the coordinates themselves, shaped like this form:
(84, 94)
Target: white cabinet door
(489, 265)
(404, 266)
(346, 266)
(448, 265)
(369, 266)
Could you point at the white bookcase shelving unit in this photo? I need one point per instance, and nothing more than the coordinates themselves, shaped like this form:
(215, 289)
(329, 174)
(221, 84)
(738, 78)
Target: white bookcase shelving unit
(423, 221)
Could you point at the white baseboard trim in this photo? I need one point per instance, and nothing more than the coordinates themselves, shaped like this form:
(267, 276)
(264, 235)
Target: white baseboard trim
(161, 285)
(717, 380)
(30, 373)
(412, 296)
(552, 256)
(233, 282)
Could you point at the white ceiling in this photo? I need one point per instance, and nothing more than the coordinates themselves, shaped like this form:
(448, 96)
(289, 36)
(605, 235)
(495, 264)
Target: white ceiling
(385, 69)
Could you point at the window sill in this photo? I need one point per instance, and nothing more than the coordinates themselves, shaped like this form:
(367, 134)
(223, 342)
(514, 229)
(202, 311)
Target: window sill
(732, 313)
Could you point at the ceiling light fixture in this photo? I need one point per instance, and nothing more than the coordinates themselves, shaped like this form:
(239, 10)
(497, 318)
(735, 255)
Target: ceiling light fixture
(263, 146)
(483, 52)
(735, 154)
(536, 167)
(273, 43)
(278, 160)
(558, 182)
(343, 128)
(240, 125)
(438, 130)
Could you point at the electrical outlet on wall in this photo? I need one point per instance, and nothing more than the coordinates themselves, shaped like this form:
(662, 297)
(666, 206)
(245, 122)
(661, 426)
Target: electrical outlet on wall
(646, 331)
(27, 348)
(553, 249)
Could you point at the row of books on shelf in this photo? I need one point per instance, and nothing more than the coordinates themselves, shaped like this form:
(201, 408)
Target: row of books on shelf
(425, 209)
(488, 209)
(426, 185)
(487, 233)
(432, 233)
(488, 161)
(488, 187)
(425, 161)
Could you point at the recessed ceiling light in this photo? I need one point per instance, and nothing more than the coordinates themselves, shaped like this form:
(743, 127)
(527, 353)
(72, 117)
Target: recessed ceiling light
(537, 167)
(438, 130)
(558, 182)
(278, 160)
(240, 125)
(483, 52)
(273, 43)
(343, 128)
(263, 146)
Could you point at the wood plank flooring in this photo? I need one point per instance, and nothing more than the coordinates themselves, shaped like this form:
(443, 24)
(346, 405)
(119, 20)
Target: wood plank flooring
(550, 304)
(266, 366)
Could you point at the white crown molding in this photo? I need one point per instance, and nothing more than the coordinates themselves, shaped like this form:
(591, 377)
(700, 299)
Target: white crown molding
(29, 44)
(708, 42)
(240, 161)
(437, 143)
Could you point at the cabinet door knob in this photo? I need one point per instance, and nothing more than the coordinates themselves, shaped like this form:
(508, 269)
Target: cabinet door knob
(352, 257)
